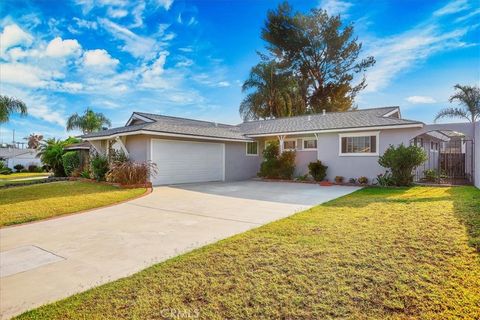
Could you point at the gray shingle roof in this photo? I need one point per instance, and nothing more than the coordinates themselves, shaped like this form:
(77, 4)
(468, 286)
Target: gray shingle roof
(332, 120)
(315, 122)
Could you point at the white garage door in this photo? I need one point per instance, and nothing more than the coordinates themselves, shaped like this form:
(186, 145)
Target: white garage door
(187, 161)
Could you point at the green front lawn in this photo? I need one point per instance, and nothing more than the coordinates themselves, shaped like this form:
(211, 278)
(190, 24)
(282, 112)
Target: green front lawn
(40, 201)
(374, 254)
(21, 175)
(20, 181)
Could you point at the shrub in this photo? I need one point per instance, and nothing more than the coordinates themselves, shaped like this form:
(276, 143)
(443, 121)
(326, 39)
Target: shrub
(385, 179)
(286, 164)
(4, 169)
(277, 165)
(430, 175)
(130, 173)
(34, 168)
(338, 179)
(317, 170)
(352, 180)
(271, 151)
(402, 161)
(18, 167)
(302, 178)
(85, 174)
(362, 180)
(71, 162)
(99, 167)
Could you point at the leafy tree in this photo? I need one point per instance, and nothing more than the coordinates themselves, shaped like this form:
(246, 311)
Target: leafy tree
(469, 98)
(10, 105)
(321, 53)
(275, 93)
(51, 152)
(33, 140)
(402, 161)
(89, 122)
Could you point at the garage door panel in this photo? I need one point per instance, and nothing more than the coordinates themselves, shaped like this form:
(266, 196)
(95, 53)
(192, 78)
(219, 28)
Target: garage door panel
(186, 161)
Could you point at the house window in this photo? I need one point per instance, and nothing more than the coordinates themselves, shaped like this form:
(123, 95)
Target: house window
(252, 148)
(310, 144)
(359, 144)
(289, 144)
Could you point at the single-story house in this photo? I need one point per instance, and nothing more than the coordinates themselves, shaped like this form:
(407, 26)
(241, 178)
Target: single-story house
(12, 156)
(187, 150)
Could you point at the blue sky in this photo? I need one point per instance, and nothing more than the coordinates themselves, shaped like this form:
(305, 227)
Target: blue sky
(189, 58)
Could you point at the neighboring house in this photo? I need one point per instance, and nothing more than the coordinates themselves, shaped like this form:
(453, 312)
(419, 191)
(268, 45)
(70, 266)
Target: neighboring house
(187, 150)
(13, 156)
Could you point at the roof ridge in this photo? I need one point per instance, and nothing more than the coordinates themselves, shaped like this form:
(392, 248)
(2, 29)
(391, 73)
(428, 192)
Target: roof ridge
(321, 114)
(183, 118)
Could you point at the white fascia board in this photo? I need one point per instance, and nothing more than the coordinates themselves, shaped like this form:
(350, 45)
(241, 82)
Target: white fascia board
(165, 134)
(388, 114)
(401, 126)
(136, 116)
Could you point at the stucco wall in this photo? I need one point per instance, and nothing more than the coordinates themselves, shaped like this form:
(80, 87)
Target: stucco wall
(238, 166)
(302, 159)
(477, 155)
(138, 147)
(357, 166)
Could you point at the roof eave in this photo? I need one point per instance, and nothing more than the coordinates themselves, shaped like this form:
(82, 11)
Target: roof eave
(166, 134)
(385, 127)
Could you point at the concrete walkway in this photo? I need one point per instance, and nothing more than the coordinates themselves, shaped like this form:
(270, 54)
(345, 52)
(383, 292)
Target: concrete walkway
(46, 261)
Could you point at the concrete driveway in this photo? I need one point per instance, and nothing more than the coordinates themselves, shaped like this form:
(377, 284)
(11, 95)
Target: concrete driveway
(46, 261)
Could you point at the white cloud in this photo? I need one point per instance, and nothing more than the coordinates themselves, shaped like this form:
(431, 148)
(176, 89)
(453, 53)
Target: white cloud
(420, 99)
(117, 13)
(137, 14)
(58, 48)
(184, 63)
(82, 23)
(468, 16)
(224, 84)
(452, 7)
(27, 75)
(41, 110)
(11, 36)
(400, 53)
(137, 46)
(99, 59)
(166, 4)
(152, 74)
(335, 7)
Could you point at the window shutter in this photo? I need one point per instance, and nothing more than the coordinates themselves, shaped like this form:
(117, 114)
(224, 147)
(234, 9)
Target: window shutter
(344, 145)
(373, 144)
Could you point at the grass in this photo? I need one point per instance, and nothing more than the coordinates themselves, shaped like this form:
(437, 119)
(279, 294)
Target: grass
(374, 254)
(21, 175)
(19, 181)
(40, 201)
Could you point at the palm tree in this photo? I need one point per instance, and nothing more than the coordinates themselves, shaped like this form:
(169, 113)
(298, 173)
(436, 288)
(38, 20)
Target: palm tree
(275, 93)
(10, 105)
(89, 122)
(469, 99)
(34, 140)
